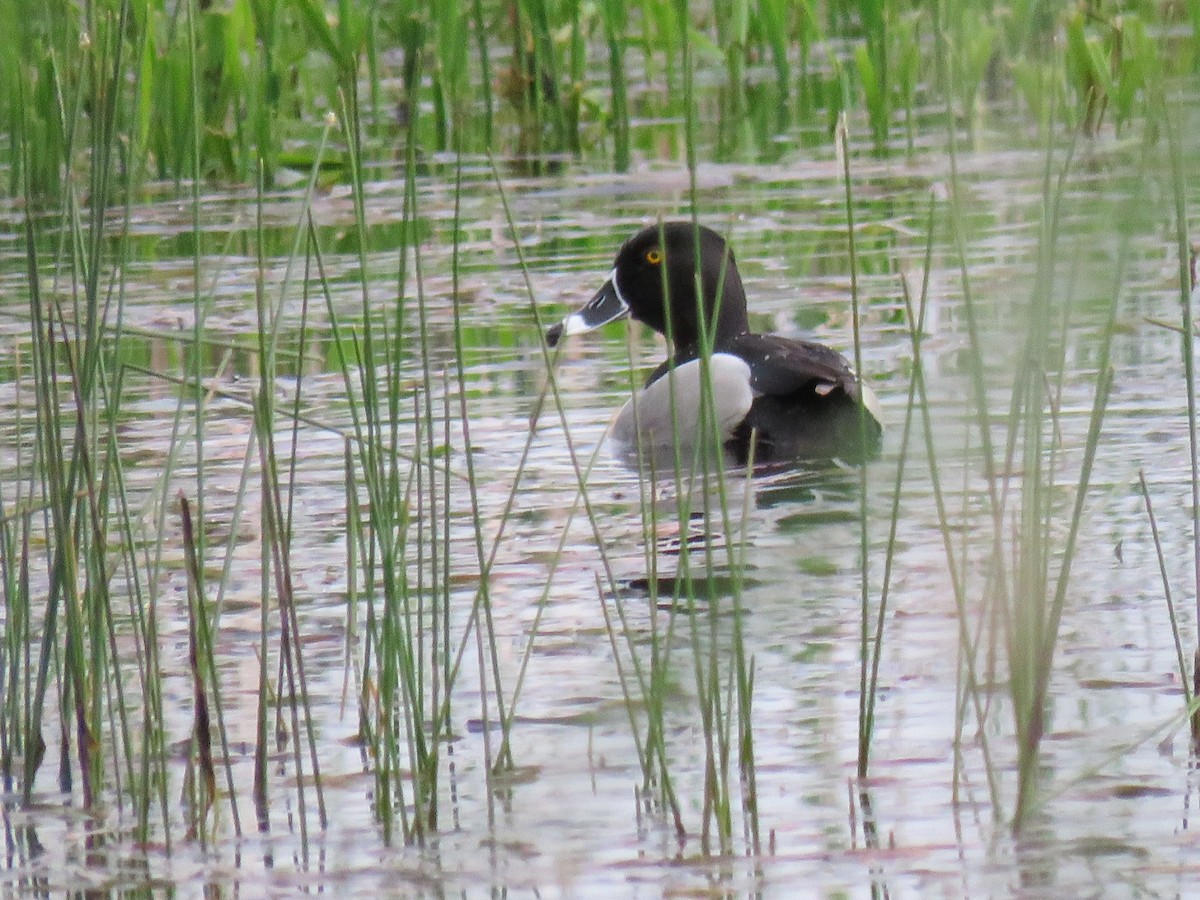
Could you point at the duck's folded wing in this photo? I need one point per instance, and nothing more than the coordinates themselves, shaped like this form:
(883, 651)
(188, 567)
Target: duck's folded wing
(808, 404)
(784, 366)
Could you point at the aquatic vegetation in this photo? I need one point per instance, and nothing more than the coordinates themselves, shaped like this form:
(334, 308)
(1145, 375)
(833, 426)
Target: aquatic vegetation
(248, 82)
(177, 624)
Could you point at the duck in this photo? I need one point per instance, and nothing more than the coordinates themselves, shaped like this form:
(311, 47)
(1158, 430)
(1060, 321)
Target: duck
(775, 399)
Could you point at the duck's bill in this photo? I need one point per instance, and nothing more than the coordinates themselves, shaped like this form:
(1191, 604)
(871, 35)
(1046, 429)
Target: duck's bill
(607, 306)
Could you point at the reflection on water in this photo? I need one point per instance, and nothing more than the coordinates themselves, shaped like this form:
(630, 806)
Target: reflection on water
(572, 816)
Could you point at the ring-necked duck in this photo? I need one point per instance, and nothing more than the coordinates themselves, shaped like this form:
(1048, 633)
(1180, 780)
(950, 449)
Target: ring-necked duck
(796, 400)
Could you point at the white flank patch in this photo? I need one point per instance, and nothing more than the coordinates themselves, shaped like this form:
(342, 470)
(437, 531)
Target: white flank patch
(647, 418)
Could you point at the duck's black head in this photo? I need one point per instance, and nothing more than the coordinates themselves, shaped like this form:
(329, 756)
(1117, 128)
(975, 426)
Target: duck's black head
(657, 267)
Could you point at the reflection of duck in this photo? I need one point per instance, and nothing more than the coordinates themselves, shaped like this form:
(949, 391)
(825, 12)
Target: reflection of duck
(711, 523)
(793, 399)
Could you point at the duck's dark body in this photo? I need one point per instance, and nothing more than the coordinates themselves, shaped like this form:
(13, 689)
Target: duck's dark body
(806, 400)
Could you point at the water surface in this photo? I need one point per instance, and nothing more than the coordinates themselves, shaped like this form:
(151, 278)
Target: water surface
(572, 818)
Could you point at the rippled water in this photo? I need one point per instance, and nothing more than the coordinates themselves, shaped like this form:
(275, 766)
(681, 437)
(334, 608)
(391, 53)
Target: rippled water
(1117, 776)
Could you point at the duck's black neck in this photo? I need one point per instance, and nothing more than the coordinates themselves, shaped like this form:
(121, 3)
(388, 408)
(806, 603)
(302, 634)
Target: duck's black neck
(719, 278)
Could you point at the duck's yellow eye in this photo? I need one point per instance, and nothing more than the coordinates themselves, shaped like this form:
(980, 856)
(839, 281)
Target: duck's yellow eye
(654, 256)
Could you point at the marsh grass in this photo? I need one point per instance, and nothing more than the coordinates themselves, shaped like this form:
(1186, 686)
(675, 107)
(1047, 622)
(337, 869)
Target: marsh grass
(871, 636)
(1188, 688)
(1027, 567)
(63, 653)
(869, 648)
(400, 676)
(1186, 255)
(199, 92)
(262, 75)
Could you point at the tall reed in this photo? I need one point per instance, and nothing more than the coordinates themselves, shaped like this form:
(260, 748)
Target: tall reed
(1186, 256)
(75, 478)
